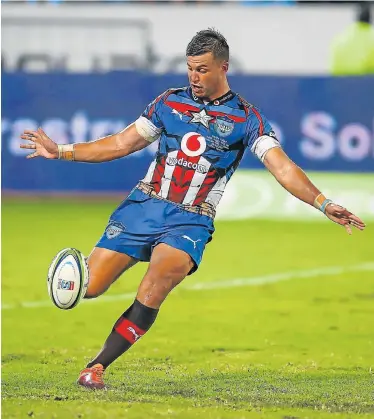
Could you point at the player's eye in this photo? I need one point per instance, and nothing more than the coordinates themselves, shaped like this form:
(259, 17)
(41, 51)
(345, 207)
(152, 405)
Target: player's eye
(203, 70)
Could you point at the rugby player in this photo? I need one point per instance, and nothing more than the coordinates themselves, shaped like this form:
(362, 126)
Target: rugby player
(167, 219)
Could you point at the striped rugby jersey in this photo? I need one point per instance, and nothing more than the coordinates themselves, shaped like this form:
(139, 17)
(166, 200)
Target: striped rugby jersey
(200, 143)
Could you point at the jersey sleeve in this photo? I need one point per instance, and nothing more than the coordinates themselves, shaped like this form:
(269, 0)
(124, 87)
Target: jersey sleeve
(149, 125)
(260, 134)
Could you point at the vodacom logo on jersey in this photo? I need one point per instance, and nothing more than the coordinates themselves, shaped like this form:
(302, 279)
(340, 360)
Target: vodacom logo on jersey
(193, 144)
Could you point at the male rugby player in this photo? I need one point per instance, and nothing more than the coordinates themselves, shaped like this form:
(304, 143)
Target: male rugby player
(203, 131)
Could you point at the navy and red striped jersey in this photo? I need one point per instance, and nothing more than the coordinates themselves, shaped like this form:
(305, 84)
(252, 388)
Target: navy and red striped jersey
(201, 143)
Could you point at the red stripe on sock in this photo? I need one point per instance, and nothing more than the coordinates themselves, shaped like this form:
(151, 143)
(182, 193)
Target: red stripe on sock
(130, 331)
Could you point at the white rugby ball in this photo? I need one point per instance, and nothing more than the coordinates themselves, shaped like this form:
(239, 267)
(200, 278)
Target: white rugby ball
(67, 278)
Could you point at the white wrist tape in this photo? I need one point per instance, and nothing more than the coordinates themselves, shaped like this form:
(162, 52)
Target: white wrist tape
(66, 152)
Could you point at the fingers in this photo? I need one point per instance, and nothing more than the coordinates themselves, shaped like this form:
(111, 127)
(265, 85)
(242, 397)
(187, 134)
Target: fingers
(41, 132)
(354, 224)
(348, 229)
(30, 132)
(359, 226)
(344, 217)
(347, 222)
(354, 219)
(31, 156)
(31, 146)
(30, 135)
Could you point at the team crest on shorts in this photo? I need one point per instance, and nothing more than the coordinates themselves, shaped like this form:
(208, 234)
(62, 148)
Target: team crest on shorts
(114, 229)
(223, 126)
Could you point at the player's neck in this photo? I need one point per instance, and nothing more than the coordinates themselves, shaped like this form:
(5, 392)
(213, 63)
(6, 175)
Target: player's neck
(219, 93)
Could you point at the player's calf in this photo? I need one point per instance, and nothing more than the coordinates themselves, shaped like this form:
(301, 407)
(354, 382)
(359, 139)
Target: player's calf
(130, 327)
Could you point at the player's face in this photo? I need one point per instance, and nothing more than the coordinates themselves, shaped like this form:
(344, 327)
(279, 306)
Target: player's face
(206, 75)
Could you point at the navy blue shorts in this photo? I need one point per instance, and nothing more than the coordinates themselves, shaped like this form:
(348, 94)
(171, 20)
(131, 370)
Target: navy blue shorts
(141, 222)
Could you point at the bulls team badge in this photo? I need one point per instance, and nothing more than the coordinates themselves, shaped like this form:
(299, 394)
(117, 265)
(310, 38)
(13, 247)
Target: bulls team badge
(224, 126)
(193, 144)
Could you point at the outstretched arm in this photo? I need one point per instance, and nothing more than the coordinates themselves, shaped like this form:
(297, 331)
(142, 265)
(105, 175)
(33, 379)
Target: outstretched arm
(295, 181)
(104, 149)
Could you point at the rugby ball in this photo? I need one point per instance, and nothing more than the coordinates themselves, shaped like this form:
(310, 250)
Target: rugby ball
(67, 278)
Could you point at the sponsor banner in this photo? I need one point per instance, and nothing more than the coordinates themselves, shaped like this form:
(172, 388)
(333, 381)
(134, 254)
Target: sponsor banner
(256, 194)
(324, 124)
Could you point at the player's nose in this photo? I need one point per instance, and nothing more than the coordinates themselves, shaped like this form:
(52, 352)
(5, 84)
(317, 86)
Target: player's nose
(194, 78)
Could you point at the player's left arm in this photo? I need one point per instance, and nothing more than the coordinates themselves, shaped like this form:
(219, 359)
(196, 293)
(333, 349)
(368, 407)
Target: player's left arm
(294, 180)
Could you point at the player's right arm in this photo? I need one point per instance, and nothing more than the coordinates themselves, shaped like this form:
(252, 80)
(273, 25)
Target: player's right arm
(138, 135)
(104, 149)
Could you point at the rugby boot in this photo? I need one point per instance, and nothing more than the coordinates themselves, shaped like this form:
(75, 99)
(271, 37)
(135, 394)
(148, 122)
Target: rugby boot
(92, 377)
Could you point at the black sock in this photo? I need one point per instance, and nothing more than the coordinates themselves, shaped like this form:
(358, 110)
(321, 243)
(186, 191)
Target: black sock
(132, 325)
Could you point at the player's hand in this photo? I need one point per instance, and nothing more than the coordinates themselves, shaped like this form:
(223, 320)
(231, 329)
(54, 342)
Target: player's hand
(342, 216)
(41, 143)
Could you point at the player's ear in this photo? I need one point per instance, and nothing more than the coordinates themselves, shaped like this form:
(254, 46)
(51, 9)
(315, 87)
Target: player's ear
(225, 66)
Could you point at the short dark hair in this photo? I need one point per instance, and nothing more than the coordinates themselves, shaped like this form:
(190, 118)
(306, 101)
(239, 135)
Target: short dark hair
(209, 40)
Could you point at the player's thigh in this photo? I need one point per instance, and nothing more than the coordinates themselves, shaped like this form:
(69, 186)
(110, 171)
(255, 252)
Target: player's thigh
(167, 268)
(105, 266)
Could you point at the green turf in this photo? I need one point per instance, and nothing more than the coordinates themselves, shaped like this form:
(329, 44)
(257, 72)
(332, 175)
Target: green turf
(302, 348)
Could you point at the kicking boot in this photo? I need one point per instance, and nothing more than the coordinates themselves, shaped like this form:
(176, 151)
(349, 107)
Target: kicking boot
(92, 377)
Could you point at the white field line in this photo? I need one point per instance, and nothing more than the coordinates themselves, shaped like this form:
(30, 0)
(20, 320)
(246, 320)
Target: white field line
(229, 283)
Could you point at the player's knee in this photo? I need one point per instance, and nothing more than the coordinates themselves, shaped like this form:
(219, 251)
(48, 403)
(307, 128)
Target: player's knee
(152, 294)
(168, 278)
(180, 270)
(156, 284)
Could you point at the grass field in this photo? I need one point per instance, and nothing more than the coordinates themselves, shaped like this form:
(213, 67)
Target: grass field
(290, 347)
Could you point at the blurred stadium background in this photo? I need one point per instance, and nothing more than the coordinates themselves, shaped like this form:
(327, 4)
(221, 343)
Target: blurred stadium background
(83, 69)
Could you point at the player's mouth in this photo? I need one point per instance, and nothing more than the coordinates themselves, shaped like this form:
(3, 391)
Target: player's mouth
(196, 88)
